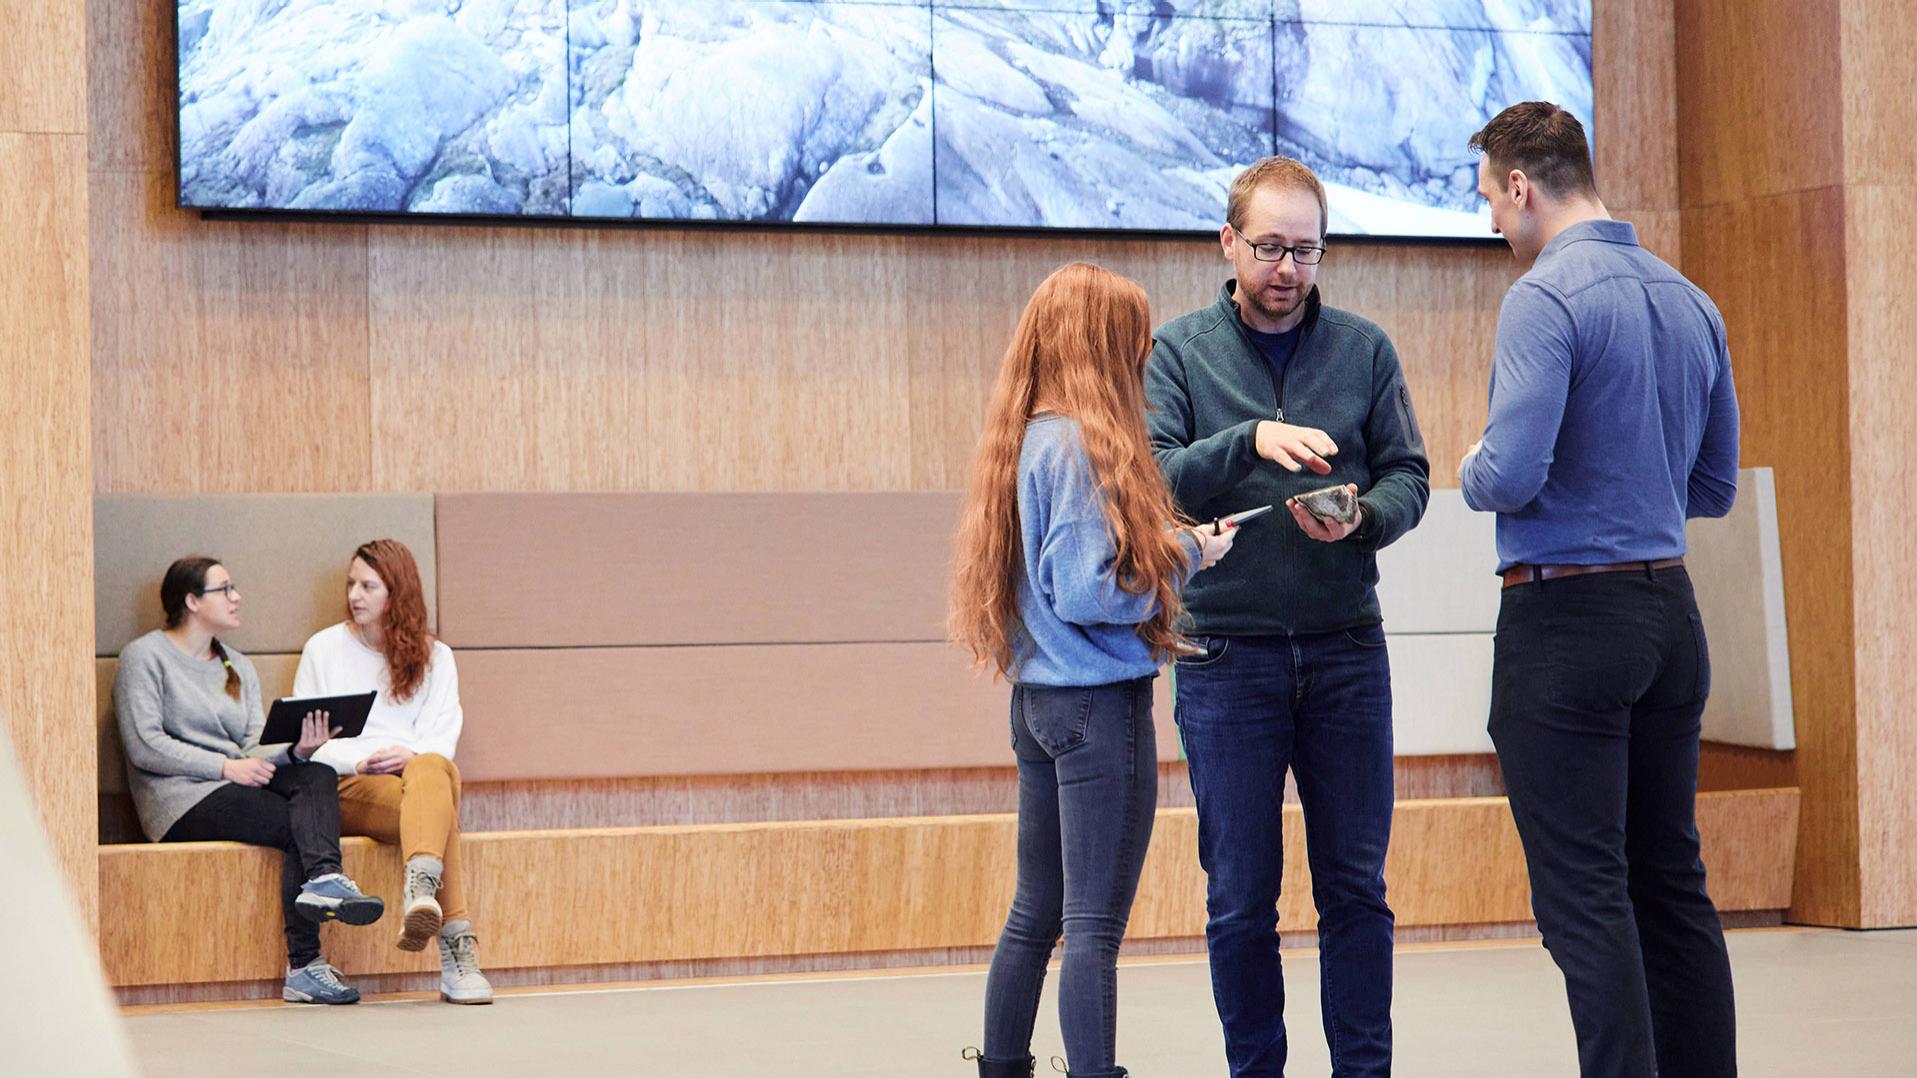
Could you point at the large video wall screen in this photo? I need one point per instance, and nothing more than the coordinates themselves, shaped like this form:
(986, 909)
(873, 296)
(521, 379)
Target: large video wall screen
(1073, 114)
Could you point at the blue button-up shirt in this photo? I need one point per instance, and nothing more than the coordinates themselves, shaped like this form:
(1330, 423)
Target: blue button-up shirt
(1613, 416)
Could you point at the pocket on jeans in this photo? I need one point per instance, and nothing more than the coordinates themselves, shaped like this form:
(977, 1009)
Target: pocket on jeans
(1057, 718)
(1702, 690)
(1367, 636)
(1214, 648)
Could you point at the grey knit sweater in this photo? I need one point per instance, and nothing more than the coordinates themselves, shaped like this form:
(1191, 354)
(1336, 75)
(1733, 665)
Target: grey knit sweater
(180, 727)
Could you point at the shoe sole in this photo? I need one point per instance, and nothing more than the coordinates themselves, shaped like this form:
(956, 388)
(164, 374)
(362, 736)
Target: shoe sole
(465, 1002)
(422, 924)
(293, 996)
(351, 911)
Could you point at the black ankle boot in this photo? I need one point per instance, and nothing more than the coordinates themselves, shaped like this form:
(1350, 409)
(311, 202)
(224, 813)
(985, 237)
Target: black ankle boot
(1001, 1068)
(1116, 1072)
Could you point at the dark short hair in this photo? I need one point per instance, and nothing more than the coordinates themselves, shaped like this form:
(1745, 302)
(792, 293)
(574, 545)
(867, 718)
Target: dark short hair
(1279, 172)
(1545, 142)
(183, 578)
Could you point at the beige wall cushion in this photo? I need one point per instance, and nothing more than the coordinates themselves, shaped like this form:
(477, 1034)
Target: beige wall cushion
(287, 552)
(1441, 601)
(597, 570)
(1736, 566)
(1441, 577)
(604, 712)
(276, 680)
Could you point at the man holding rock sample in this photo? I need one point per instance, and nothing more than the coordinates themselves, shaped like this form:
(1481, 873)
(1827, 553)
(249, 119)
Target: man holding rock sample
(1613, 420)
(1256, 400)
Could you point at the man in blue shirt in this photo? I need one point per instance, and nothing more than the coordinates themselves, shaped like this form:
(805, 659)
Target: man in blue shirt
(1613, 420)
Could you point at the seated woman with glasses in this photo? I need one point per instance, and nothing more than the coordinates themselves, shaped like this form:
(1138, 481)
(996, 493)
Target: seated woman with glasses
(188, 708)
(398, 783)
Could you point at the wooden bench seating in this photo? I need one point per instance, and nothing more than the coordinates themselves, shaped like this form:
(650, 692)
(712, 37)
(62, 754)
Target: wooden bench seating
(208, 912)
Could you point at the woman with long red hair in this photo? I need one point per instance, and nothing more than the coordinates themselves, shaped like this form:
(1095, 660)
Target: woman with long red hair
(398, 782)
(1070, 562)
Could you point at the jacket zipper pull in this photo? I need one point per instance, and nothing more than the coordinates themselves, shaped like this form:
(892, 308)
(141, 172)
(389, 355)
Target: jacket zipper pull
(1281, 415)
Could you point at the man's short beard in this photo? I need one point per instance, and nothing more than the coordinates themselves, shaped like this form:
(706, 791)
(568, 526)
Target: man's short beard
(1279, 316)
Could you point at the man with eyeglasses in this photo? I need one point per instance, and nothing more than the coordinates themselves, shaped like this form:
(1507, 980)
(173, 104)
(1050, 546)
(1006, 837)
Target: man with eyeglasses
(1257, 399)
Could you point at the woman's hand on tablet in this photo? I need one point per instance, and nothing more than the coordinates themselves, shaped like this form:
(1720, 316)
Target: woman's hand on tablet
(316, 729)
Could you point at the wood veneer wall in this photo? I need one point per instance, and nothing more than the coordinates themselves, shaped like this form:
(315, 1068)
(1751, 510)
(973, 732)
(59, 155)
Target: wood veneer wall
(1878, 37)
(1797, 178)
(46, 506)
(240, 357)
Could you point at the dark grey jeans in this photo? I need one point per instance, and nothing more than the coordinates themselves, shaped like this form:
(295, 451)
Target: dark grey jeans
(1088, 788)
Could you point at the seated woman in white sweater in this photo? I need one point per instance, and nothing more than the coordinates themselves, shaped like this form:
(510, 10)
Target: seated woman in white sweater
(398, 782)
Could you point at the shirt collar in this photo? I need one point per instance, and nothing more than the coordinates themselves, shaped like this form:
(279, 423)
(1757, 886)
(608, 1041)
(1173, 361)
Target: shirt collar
(1605, 231)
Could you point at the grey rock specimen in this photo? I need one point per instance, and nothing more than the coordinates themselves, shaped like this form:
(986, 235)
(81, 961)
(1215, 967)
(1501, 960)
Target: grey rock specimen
(1331, 503)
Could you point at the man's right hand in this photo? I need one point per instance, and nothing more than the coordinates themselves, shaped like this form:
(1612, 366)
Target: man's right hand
(248, 772)
(1296, 448)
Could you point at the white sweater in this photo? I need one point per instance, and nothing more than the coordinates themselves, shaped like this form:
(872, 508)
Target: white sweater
(335, 662)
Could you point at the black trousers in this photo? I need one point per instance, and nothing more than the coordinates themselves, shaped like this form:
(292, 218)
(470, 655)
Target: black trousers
(298, 812)
(1597, 690)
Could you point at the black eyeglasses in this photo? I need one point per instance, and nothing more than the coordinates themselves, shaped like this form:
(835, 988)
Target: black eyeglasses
(229, 589)
(1305, 254)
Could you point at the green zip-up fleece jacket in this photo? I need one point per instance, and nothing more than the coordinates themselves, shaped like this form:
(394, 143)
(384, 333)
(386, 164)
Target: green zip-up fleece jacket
(1209, 386)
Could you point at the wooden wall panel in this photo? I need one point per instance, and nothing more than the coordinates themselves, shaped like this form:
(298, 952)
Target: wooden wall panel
(1879, 86)
(540, 898)
(131, 118)
(1660, 232)
(1758, 109)
(1738, 767)
(1788, 354)
(46, 505)
(227, 357)
(505, 359)
(43, 70)
(1883, 394)
(1634, 71)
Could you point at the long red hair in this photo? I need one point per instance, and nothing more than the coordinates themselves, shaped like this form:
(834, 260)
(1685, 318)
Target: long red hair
(408, 644)
(1080, 347)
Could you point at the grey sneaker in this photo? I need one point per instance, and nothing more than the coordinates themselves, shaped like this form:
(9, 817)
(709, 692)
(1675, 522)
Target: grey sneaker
(333, 897)
(317, 982)
(459, 978)
(422, 904)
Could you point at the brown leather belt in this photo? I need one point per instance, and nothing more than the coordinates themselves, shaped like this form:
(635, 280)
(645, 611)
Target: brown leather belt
(1525, 574)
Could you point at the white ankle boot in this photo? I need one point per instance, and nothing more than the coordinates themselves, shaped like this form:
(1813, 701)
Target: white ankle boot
(459, 978)
(421, 913)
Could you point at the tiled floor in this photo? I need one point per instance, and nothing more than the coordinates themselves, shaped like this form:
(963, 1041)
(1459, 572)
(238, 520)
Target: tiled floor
(1811, 1004)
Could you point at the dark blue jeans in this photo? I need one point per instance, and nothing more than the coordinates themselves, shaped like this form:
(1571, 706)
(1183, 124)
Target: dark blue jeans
(1087, 791)
(1250, 707)
(1597, 692)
